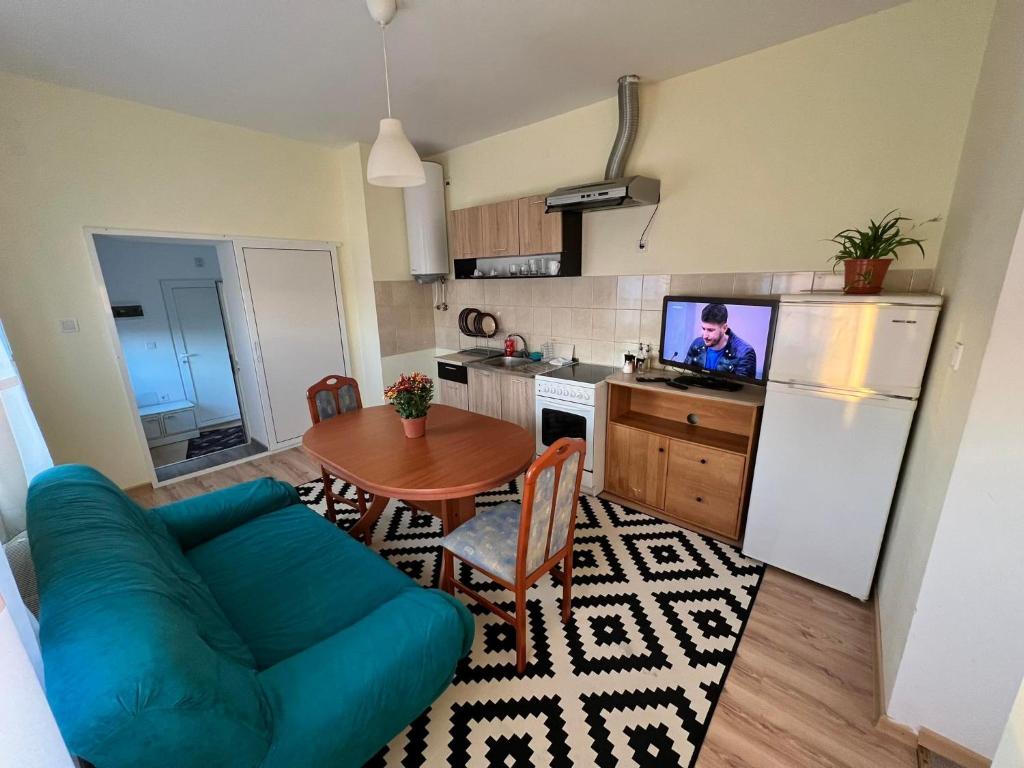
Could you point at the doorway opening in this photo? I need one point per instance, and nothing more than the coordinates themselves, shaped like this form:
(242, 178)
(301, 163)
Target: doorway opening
(172, 301)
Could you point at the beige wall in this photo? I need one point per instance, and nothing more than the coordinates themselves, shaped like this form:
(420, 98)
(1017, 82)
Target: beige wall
(983, 221)
(69, 160)
(763, 156)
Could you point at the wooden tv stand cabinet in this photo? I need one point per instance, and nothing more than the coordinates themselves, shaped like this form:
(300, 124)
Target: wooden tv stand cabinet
(684, 456)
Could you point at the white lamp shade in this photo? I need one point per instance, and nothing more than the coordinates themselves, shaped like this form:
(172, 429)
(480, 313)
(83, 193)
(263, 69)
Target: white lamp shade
(393, 162)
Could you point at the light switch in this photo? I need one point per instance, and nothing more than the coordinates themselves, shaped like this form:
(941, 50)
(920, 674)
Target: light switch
(70, 325)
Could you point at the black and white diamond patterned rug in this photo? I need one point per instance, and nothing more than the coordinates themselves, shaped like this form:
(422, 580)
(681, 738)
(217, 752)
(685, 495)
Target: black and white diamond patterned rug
(632, 680)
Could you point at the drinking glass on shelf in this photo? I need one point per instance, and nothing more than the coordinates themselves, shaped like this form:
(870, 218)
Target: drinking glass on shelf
(513, 270)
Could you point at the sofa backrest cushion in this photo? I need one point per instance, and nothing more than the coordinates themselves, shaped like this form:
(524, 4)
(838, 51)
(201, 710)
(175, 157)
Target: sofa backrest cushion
(129, 629)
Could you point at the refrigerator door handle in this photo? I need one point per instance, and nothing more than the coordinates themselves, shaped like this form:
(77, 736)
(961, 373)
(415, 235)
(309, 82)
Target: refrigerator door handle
(861, 394)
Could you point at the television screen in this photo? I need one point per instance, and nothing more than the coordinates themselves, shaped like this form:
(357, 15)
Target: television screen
(730, 338)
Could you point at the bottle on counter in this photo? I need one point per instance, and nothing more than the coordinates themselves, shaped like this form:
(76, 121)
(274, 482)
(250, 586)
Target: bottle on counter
(629, 363)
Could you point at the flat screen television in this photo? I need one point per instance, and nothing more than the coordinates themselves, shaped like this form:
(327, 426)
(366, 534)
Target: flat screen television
(723, 343)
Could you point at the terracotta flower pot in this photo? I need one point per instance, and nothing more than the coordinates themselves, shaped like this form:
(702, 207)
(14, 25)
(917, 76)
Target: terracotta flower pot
(865, 275)
(415, 427)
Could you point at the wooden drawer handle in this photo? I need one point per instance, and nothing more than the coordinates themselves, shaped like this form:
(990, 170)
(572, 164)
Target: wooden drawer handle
(661, 450)
(703, 461)
(700, 499)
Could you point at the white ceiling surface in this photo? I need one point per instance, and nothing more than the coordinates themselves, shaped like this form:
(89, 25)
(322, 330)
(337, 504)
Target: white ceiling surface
(460, 69)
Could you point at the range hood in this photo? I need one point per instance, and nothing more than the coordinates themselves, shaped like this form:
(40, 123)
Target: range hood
(626, 192)
(616, 190)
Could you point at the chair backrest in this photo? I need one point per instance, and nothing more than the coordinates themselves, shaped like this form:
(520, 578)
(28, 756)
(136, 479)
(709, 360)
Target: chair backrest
(550, 496)
(332, 395)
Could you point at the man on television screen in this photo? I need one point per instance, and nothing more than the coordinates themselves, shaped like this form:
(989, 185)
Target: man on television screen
(718, 348)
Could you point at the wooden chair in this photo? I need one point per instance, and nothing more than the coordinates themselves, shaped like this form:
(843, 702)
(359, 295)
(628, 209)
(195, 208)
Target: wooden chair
(329, 397)
(514, 545)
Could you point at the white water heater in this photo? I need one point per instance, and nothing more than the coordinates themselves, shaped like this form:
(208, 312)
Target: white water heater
(426, 226)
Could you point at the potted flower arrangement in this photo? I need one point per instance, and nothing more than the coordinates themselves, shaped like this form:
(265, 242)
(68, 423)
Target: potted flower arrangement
(867, 254)
(411, 397)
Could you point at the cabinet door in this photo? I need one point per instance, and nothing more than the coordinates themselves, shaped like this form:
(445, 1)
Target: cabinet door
(704, 487)
(635, 465)
(151, 425)
(517, 402)
(467, 233)
(539, 232)
(454, 394)
(485, 392)
(179, 421)
(501, 229)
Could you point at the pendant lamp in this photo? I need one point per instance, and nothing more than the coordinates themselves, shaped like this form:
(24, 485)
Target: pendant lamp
(393, 161)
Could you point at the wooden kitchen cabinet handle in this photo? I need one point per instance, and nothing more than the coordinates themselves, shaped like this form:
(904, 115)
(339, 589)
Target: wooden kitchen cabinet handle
(700, 499)
(703, 461)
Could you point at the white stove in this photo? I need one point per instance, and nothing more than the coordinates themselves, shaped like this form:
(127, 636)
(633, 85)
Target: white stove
(572, 402)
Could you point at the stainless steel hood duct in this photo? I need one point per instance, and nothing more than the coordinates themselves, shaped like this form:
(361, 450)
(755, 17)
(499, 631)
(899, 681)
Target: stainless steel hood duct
(629, 118)
(616, 190)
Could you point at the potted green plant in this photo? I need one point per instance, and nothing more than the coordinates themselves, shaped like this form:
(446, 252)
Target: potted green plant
(867, 254)
(411, 396)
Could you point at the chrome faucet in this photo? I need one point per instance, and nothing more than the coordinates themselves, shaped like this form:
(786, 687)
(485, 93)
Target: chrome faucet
(526, 349)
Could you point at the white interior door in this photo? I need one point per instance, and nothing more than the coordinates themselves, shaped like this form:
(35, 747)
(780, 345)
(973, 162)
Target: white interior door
(296, 310)
(200, 340)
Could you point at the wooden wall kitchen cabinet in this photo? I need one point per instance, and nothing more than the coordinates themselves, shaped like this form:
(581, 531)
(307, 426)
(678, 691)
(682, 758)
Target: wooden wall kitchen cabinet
(542, 233)
(517, 400)
(515, 228)
(467, 233)
(687, 458)
(485, 392)
(500, 229)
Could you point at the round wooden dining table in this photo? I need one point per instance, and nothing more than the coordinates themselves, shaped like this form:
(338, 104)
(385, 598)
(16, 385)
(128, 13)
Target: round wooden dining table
(461, 455)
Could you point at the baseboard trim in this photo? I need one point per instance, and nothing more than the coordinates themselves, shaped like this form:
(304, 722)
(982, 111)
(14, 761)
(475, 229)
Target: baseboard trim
(925, 737)
(899, 731)
(951, 750)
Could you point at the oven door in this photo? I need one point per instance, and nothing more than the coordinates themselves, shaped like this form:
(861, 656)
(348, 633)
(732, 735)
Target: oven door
(557, 418)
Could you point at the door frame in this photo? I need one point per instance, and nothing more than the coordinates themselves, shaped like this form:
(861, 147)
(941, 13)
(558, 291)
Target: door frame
(170, 306)
(236, 243)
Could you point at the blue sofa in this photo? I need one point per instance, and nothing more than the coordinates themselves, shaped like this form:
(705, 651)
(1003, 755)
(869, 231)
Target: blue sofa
(237, 628)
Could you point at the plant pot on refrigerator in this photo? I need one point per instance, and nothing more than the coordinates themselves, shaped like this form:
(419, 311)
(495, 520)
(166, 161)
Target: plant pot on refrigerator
(415, 427)
(865, 276)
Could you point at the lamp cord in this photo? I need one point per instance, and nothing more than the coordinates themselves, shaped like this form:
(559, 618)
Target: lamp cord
(387, 82)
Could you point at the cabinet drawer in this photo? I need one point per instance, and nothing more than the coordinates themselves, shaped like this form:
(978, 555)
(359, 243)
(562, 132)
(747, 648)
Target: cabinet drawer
(179, 421)
(702, 506)
(707, 468)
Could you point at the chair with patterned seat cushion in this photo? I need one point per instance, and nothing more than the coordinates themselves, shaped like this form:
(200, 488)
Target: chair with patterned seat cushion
(329, 397)
(514, 545)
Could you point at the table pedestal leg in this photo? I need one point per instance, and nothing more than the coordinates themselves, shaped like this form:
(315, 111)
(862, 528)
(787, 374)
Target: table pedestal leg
(363, 528)
(454, 512)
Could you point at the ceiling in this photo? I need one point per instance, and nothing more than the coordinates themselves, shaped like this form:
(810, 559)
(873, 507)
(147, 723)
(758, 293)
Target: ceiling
(460, 69)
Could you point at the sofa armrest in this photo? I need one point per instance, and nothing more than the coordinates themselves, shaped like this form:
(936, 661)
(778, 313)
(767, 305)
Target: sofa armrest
(199, 519)
(338, 702)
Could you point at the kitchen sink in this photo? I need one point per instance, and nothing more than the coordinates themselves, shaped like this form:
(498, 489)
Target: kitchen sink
(506, 362)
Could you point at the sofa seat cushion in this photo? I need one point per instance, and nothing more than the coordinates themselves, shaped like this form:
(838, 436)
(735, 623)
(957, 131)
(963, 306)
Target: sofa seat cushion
(289, 579)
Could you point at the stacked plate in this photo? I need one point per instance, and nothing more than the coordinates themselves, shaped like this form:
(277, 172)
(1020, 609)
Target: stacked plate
(473, 322)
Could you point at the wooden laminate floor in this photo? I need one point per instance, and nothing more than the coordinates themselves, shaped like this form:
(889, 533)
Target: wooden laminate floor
(800, 692)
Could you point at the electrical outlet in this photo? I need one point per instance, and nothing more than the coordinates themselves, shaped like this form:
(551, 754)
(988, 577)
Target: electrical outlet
(200, 262)
(642, 246)
(164, 397)
(150, 345)
(958, 354)
(69, 325)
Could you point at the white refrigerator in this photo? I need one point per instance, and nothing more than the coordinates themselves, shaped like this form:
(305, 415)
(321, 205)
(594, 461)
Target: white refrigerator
(843, 385)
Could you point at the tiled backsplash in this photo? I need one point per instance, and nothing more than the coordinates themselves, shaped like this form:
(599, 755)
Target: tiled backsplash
(601, 318)
(404, 316)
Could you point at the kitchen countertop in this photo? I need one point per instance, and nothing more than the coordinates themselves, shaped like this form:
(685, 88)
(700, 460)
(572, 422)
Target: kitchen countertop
(529, 371)
(464, 356)
(751, 394)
